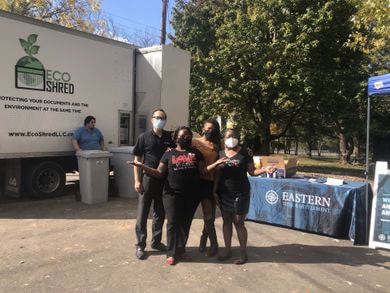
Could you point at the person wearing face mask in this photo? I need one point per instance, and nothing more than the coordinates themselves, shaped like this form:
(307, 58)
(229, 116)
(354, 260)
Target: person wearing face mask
(149, 148)
(209, 144)
(181, 167)
(232, 192)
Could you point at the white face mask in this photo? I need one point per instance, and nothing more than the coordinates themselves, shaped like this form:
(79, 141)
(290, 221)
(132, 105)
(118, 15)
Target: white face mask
(159, 123)
(231, 142)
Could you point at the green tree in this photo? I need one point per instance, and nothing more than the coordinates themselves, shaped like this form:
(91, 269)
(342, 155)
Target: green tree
(84, 15)
(337, 75)
(264, 62)
(372, 34)
(372, 37)
(195, 24)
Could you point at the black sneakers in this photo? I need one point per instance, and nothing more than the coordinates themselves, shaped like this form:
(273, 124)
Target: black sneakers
(159, 246)
(141, 254)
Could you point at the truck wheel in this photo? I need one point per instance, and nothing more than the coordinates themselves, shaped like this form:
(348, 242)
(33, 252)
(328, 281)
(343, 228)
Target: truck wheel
(46, 179)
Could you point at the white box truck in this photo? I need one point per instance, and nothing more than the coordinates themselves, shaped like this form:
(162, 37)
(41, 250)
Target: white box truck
(52, 77)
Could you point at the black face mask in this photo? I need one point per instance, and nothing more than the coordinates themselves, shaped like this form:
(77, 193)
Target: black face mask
(184, 143)
(210, 134)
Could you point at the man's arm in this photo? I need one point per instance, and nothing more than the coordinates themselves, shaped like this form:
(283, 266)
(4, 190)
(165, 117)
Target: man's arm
(137, 175)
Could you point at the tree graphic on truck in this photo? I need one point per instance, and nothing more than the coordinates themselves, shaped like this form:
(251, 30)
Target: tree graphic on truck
(29, 71)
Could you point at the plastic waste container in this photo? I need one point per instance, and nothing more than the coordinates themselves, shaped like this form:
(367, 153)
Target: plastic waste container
(123, 173)
(94, 172)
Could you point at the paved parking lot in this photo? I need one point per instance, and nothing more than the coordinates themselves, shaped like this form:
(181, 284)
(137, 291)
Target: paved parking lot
(60, 245)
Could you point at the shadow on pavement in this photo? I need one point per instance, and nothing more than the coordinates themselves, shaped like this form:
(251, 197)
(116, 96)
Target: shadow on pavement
(65, 206)
(303, 254)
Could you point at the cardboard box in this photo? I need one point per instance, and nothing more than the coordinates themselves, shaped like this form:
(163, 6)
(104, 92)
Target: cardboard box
(285, 167)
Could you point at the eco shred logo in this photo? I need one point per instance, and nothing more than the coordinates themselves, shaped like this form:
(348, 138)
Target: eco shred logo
(31, 74)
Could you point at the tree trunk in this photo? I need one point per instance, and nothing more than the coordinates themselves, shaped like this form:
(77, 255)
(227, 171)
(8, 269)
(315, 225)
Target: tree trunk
(343, 148)
(296, 147)
(319, 146)
(264, 146)
(287, 147)
(308, 153)
(356, 149)
(265, 140)
(265, 135)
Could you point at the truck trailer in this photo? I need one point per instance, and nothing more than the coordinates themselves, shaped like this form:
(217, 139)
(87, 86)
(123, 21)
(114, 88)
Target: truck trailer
(52, 77)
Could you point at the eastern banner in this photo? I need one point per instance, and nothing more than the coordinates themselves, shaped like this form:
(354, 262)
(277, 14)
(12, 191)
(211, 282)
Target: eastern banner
(338, 211)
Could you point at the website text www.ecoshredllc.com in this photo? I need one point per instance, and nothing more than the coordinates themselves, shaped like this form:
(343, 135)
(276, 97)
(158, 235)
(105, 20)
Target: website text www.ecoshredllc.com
(41, 134)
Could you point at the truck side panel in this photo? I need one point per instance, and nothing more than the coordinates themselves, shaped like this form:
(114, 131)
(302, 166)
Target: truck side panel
(176, 85)
(47, 91)
(163, 76)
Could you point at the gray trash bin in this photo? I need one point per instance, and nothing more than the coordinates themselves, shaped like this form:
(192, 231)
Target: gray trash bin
(93, 171)
(123, 173)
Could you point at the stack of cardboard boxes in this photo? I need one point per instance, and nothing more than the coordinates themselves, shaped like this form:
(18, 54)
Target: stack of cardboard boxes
(285, 167)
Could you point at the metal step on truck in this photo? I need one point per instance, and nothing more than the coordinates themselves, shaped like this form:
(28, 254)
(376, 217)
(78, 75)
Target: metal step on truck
(52, 77)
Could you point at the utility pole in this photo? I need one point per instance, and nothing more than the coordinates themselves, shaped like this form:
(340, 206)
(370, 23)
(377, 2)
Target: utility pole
(163, 22)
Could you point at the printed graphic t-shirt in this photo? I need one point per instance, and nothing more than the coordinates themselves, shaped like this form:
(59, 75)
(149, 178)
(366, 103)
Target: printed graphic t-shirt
(233, 173)
(183, 172)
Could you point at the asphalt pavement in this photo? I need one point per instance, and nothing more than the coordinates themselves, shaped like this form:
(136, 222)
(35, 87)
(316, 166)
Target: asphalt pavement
(61, 245)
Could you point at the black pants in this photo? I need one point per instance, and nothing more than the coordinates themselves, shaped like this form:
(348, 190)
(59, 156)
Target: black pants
(152, 193)
(180, 210)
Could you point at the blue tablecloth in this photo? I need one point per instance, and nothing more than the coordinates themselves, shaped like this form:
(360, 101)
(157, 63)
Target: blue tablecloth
(338, 211)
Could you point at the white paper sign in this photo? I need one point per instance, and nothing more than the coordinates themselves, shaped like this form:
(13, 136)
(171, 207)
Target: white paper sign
(380, 212)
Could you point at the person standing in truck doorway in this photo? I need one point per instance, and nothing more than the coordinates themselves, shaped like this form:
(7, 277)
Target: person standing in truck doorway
(149, 148)
(88, 137)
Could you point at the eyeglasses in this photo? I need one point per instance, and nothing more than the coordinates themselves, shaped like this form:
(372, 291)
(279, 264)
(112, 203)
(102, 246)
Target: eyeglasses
(186, 136)
(160, 118)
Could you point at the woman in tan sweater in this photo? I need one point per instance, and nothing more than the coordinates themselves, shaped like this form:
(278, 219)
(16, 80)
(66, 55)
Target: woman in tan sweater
(209, 144)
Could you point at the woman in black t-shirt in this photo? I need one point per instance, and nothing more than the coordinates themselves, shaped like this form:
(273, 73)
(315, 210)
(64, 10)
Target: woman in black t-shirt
(232, 192)
(181, 166)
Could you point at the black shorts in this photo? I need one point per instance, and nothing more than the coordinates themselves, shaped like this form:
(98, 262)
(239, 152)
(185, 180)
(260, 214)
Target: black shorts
(206, 189)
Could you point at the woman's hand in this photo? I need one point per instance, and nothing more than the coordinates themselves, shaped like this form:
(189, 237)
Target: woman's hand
(135, 163)
(215, 164)
(221, 161)
(270, 169)
(138, 187)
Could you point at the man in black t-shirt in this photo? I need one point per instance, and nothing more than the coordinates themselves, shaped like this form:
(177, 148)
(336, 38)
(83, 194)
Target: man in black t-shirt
(149, 149)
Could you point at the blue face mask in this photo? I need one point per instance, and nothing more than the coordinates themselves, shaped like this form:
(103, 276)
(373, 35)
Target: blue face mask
(159, 123)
